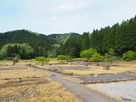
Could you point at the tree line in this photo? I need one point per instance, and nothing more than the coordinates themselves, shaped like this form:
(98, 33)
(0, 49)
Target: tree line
(119, 38)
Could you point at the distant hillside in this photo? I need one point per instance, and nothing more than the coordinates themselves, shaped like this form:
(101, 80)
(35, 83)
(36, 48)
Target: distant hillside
(120, 37)
(24, 36)
(62, 38)
(42, 44)
(39, 42)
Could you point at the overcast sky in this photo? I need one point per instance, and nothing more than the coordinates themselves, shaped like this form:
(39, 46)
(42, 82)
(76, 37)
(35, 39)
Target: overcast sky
(61, 16)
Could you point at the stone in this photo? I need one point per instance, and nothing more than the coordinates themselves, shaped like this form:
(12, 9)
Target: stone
(106, 67)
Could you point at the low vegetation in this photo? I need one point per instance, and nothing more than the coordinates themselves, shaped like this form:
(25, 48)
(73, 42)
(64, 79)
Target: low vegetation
(50, 92)
(42, 60)
(27, 85)
(21, 73)
(130, 55)
(88, 53)
(62, 58)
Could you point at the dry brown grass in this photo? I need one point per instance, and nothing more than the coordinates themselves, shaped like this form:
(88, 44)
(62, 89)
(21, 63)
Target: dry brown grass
(22, 73)
(50, 92)
(28, 85)
(9, 64)
(117, 67)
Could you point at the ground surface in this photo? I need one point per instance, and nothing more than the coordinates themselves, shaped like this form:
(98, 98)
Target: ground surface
(84, 93)
(126, 90)
(82, 70)
(29, 85)
(77, 67)
(33, 80)
(105, 77)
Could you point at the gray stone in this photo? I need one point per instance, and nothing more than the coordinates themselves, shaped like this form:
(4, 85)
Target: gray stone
(106, 67)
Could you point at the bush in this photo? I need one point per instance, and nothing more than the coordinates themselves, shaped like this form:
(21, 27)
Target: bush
(42, 59)
(88, 53)
(110, 56)
(97, 57)
(130, 55)
(61, 57)
(16, 59)
(47, 60)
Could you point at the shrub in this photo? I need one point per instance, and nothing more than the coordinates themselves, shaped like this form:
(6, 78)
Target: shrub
(110, 56)
(130, 55)
(61, 57)
(41, 59)
(88, 53)
(97, 57)
(47, 60)
(16, 59)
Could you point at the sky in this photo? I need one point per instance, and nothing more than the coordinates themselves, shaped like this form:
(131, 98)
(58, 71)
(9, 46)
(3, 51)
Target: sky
(63, 16)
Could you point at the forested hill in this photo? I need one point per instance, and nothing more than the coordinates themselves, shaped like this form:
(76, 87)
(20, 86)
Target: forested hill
(120, 37)
(37, 41)
(62, 38)
(41, 43)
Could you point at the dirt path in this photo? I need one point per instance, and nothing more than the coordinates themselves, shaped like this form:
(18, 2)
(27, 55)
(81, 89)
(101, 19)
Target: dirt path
(85, 94)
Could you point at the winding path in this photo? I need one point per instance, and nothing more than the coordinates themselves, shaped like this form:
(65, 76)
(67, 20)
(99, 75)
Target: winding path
(83, 93)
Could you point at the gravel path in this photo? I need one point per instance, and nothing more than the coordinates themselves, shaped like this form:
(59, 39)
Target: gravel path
(119, 76)
(126, 90)
(69, 68)
(85, 94)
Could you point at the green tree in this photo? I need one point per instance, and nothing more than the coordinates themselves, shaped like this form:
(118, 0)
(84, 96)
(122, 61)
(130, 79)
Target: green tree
(47, 60)
(41, 59)
(24, 50)
(16, 59)
(110, 56)
(85, 41)
(61, 57)
(88, 53)
(97, 57)
(129, 55)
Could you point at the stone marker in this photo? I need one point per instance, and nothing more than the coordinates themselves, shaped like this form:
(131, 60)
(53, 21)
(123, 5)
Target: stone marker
(106, 67)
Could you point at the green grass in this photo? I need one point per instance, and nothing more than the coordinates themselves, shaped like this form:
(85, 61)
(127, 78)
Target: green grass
(53, 59)
(79, 59)
(5, 61)
(10, 61)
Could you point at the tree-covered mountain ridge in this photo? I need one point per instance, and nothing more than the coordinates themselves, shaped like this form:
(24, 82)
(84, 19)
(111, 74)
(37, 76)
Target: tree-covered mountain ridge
(23, 34)
(41, 43)
(62, 38)
(120, 37)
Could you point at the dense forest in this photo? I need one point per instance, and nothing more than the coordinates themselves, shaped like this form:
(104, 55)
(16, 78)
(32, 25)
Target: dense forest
(120, 37)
